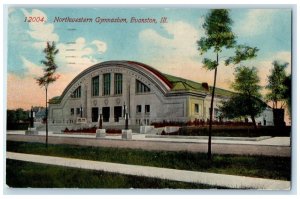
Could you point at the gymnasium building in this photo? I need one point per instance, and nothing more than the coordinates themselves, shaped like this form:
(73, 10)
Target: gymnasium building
(114, 87)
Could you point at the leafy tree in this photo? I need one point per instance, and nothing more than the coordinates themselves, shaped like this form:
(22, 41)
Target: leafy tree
(278, 89)
(276, 84)
(15, 116)
(49, 75)
(219, 36)
(247, 106)
(288, 92)
(247, 100)
(21, 115)
(11, 116)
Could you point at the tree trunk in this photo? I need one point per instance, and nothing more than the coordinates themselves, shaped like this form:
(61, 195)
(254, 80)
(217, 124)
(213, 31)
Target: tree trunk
(46, 118)
(253, 121)
(278, 117)
(211, 111)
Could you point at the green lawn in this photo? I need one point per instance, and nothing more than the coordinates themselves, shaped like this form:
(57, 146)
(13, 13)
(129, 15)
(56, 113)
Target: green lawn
(21, 174)
(254, 166)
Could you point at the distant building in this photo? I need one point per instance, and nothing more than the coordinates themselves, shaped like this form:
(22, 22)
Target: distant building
(113, 87)
(39, 113)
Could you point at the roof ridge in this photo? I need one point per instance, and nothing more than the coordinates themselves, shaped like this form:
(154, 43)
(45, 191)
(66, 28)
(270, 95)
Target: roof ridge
(183, 78)
(200, 84)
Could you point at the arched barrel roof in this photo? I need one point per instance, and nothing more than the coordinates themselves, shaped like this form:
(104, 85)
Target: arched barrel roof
(158, 74)
(152, 74)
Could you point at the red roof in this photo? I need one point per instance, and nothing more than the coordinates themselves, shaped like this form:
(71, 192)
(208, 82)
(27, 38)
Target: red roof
(154, 71)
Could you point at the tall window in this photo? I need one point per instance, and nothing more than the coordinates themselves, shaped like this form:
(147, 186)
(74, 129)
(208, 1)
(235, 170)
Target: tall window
(118, 83)
(76, 93)
(138, 108)
(106, 84)
(95, 86)
(141, 87)
(196, 108)
(147, 109)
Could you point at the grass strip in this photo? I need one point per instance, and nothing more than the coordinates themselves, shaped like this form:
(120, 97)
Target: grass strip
(21, 174)
(243, 165)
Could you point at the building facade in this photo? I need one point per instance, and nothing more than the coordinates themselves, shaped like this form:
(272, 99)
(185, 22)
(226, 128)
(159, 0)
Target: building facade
(114, 88)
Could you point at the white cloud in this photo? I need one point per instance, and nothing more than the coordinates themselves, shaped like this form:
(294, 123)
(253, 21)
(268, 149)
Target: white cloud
(75, 57)
(39, 45)
(182, 40)
(40, 31)
(33, 70)
(101, 46)
(257, 21)
(70, 64)
(178, 55)
(72, 59)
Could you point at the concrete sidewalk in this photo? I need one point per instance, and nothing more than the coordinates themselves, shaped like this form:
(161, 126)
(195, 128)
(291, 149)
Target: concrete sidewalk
(266, 141)
(158, 145)
(230, 181)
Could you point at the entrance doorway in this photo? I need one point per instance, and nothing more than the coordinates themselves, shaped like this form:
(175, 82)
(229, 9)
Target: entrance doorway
(95, 114)
(117, 113)
(106, 114)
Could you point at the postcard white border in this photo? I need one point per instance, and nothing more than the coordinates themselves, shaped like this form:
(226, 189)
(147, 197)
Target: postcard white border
(179, 193)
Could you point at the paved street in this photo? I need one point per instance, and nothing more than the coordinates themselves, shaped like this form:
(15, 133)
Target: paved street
(230, 181)
(277, 146)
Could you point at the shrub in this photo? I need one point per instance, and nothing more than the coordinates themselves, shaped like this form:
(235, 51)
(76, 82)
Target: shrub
(199, 122)
(17, 126)
(235, 131)
(114, 131)
(83, 130)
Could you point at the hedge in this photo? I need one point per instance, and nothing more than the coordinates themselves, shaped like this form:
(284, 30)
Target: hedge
(17, 126)
(240, 131)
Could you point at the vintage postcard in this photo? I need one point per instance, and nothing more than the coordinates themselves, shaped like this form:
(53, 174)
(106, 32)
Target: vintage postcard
(148, 97)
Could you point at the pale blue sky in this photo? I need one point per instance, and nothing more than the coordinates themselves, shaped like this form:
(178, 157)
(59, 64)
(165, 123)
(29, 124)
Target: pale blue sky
(170, 47)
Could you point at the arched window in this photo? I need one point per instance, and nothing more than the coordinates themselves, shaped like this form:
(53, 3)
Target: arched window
(76, 93)
(140, 87)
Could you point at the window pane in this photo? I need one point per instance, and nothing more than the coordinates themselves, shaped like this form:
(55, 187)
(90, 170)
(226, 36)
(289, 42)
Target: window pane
(196, 108)
(138, 108)
(106, 84)
(147, 108)
(76, 93)
(95, 86)
(118, 83)
(141, 87)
